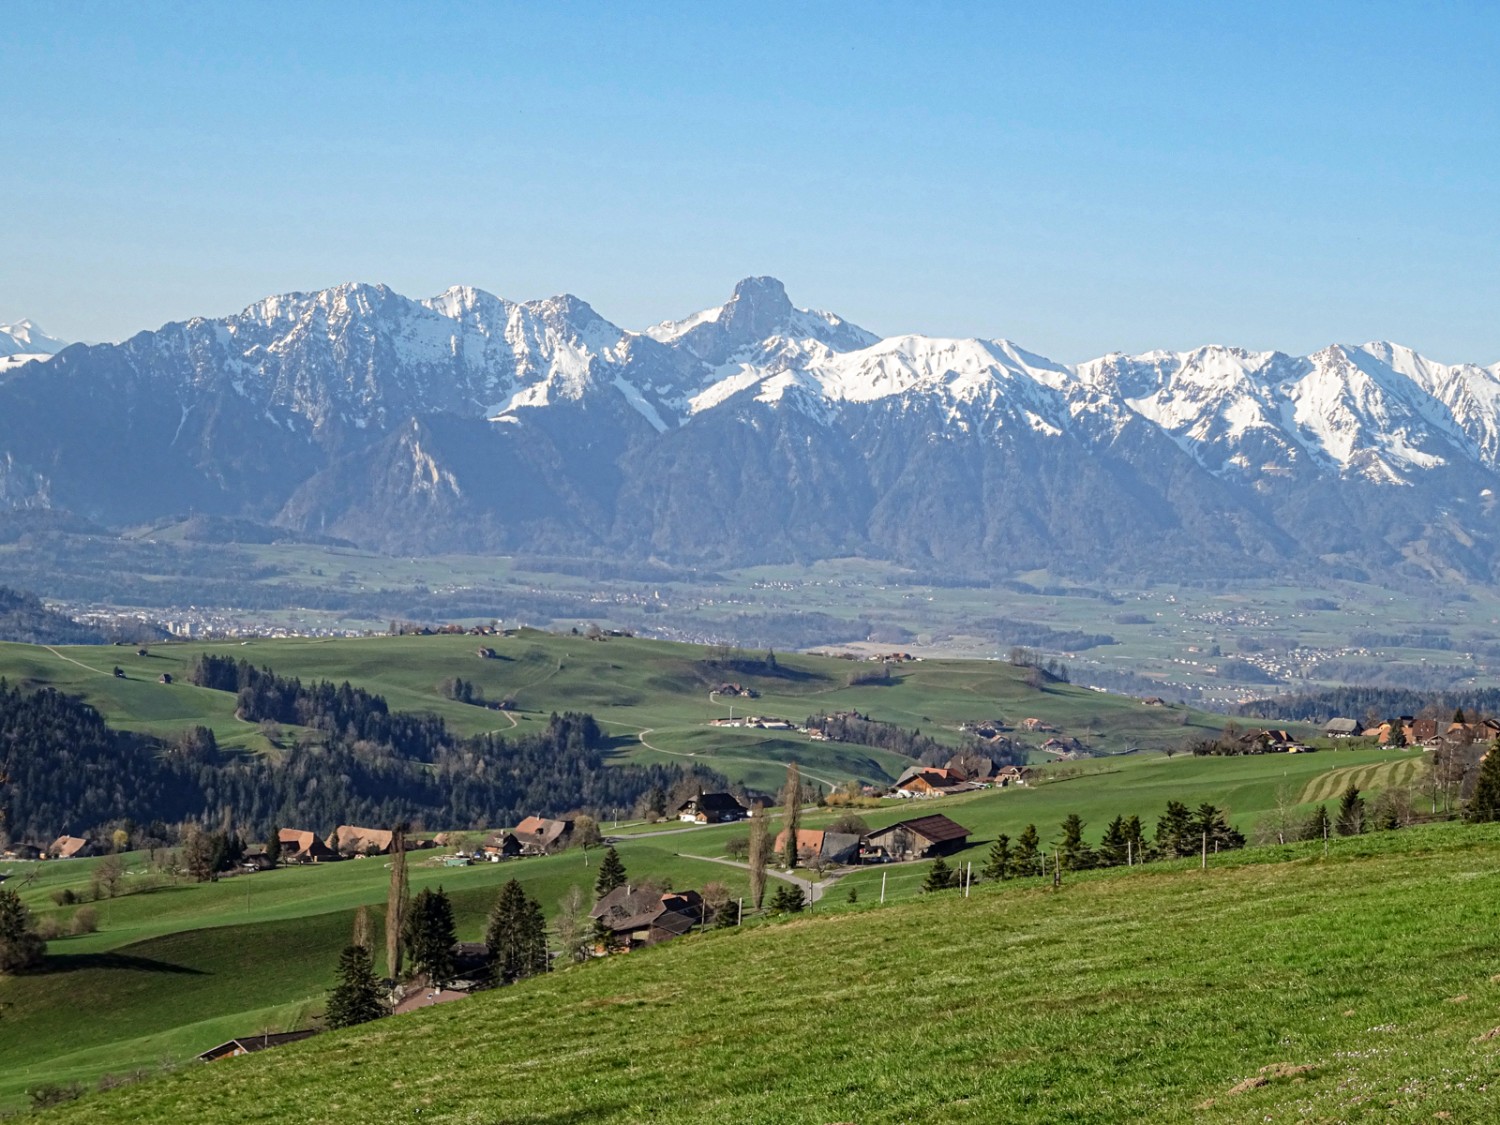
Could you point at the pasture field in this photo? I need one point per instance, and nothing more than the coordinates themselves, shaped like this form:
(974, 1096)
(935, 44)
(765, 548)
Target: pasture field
(654, 696)
(1280, 985)
(175, 969)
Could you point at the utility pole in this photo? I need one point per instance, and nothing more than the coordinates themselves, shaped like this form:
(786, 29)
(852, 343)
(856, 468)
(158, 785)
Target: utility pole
(1204, 865)
(1129, 853)
(882, 887)
(739, 915)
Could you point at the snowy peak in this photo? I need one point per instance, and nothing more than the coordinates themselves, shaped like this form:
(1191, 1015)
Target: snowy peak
(24, 338)
(757, 316)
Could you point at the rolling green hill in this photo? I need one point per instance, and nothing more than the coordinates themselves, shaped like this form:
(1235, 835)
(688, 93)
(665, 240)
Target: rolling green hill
(1360, 986)
(653, 695)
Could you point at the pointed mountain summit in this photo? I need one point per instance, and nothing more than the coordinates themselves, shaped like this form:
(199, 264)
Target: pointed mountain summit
(757, 314)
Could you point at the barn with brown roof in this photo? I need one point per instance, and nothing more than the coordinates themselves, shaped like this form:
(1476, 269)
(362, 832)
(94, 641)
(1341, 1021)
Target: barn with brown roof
(920, 837)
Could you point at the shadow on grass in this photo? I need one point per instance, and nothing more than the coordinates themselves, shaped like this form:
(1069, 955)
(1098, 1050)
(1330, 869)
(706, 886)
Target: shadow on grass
(80, 962)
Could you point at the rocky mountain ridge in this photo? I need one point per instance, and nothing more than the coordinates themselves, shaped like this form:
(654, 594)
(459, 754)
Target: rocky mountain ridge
(758, 431)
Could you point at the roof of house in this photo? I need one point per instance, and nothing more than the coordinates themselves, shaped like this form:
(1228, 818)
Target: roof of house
(301, 840)
(250, 1043)
(713, 803)
(808, 840)
(627, 908)
(936, 828)
(540, 830)
(934, 776)
(66, 847)
(350, 837)
(1342, 726)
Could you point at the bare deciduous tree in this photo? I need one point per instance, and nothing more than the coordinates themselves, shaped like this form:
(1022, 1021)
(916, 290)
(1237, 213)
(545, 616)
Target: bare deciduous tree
(395, 903)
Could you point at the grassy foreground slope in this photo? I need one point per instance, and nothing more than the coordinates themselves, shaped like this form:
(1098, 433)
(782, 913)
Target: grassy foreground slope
(1148, 995)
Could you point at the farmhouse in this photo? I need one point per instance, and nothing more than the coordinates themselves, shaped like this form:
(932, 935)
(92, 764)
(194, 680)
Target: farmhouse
(304, 847)
(830, 847)
(349, 839)
(1341, 728)
(646, 916)
(70, 847)
(712, 808)
(249, 1044)
(540, 836)
(919, 838)
(928, 781)
(1010, 775)
(502, 845)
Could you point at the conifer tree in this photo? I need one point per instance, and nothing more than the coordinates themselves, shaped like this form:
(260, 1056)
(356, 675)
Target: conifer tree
(21, 947)
(1072, 852)
(428, 934)
(1317, 826)
(728, 915)
(788, 899)
(1174, 831)
(273, 845)
(939, 877)
(1209, 825)
(1112, 848)
(999, 863)
(356, 998)
(611, 874)
(516, 935)
(1484, 805)
(1027, 861)
(1351, 818)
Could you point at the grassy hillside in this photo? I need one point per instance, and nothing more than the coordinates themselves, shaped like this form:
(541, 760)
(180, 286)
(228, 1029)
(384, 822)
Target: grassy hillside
(177, 969)
(1355, 987)
(654, 695)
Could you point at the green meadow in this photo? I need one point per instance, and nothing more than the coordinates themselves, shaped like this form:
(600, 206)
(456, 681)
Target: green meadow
(178, 968)
(1280, 985)
(654, 696)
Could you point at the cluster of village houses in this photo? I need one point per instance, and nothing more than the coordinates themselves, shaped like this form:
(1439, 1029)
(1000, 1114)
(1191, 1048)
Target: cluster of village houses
(1430, 733)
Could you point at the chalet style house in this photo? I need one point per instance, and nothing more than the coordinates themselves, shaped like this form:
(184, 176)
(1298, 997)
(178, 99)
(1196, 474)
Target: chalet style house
(70, 847)
(348, 839)
(929, 781)
(646, 916)
(304, 847)
(712, 808)
(539, 836)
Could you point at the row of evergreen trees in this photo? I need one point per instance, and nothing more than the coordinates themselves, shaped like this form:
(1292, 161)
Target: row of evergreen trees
(1179, 832)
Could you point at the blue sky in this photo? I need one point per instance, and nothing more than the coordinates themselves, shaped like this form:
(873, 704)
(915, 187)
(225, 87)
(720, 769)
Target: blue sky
(1077, 177)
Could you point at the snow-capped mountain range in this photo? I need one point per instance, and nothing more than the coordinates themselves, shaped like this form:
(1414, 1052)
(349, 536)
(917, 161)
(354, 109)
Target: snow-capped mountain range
(758, 431)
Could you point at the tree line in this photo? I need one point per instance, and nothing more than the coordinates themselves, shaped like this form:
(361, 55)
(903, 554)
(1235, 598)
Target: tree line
(62, 769)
